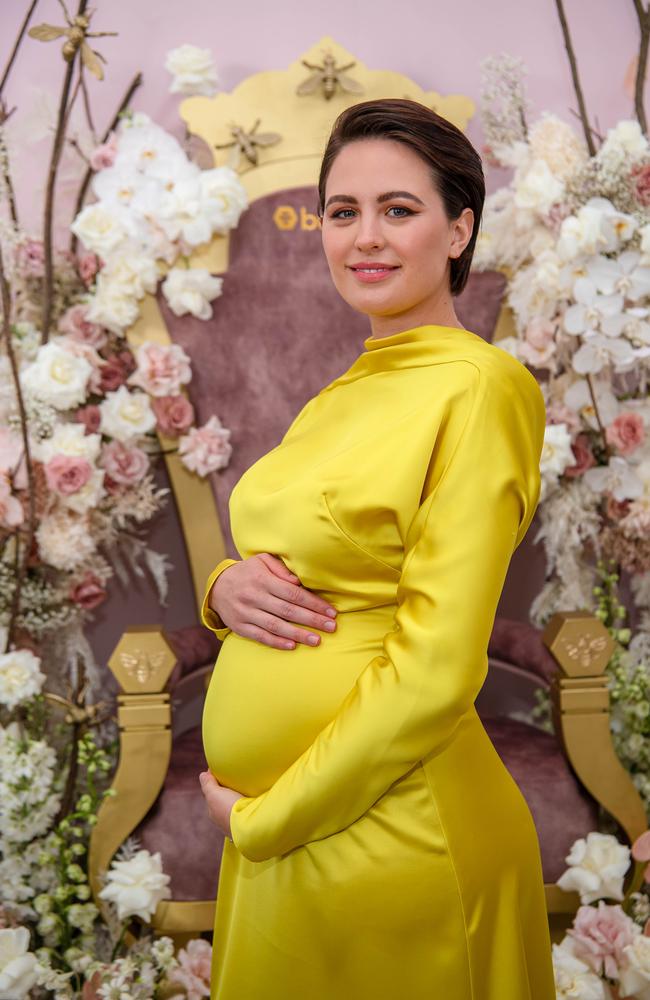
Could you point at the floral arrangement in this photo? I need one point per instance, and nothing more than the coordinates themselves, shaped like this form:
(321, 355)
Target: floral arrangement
(571, 231)
(605, 955)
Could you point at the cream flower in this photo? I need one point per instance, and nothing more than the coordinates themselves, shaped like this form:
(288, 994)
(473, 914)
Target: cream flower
(64, 539)
(136, 886)
(623, 142)
(635, 968)
(552, 140)
(574, 980)
(223, 198)
(597, 864)
(190, 290)
(556, 450)
(617, 478)
(537, 188)
(112, 306)
(125, 415)
(130, 274)
(18, 966)
(20, 677)
(100, 229)
(193, 71)
(162, 369)
(69, 439)
(57, 376)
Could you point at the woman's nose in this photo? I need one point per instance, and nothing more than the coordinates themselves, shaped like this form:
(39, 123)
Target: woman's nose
(369, 236)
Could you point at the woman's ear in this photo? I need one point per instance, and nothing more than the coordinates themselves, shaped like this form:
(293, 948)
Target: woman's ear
(462, 229)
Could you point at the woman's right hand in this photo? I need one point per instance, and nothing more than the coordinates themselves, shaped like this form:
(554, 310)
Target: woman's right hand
(259, 598)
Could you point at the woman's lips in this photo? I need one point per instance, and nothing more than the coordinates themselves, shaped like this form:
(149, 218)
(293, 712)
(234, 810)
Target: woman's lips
(368, 274)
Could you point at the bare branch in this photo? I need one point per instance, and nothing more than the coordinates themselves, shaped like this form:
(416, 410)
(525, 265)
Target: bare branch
(642, 64)
(576, 79)
(14, 51)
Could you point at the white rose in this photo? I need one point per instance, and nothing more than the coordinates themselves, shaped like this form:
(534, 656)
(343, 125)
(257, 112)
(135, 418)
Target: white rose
(57, 376)
(100, 229)
(556, 450)
(193, 71)
(69, 439)
(597, 866)
(17, 964)
(126, 415)
(635, 968)
(224, 198)
(112, 306)
(88, 495)
(133, 274)
(574, 979)
(20, 677)
(190, 290)
(537, 188)
(136, 886)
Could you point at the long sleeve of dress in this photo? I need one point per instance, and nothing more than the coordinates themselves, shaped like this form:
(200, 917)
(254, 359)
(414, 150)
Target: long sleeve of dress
(480, 492)
(209, 617)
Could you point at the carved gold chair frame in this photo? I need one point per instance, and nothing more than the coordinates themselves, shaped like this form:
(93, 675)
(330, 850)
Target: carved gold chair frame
(143, 660)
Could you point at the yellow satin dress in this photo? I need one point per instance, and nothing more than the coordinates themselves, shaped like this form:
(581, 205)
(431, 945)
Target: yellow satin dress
(381, 850)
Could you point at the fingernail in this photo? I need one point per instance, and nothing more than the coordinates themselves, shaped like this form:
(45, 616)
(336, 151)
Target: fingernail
(313, 639)
(331, 612)
(330, 626)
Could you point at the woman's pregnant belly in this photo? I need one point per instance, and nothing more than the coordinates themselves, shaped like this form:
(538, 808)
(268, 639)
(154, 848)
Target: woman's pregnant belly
(265, 706)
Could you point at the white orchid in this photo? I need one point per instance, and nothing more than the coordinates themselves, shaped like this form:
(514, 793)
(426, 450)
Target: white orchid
(597, 864)
(623, 275)
(578, 398)
(590, 307)
(617, 478)
(598, 351)
(556, 451)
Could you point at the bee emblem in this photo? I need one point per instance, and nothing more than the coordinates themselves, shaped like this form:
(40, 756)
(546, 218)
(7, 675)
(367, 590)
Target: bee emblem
(246, 143)
(329, 76)
(76, 34)
(142, 666)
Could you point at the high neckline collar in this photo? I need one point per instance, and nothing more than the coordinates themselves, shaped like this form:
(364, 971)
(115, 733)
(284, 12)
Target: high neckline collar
(428, 331)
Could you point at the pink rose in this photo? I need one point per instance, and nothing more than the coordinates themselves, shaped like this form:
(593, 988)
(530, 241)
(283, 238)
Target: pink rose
(599, 936)
(640, 176)
(174, 414)
(11, 509)
(74, 324)
(205, 449)
(626, 432)
(88, 265)
(88, 593)
(67, 474)
(12, 458)
(30, 258)
(104, 155)
(125, 463)
(161, 369)
(90, 416)
(616, 509)
(641, 851)
(193, 971)
(113, 373)
(584, 457)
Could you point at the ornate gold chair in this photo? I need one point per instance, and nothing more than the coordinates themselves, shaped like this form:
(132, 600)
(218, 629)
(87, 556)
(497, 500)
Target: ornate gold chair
(279, 333)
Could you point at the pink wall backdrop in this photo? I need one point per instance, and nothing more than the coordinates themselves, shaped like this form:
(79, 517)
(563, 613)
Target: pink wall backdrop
(439, 45)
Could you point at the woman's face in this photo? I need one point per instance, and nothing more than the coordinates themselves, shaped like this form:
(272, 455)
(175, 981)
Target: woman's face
(386, 236)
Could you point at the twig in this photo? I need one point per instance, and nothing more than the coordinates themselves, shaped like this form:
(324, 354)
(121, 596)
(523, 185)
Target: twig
(57, 147)
(135, 83)
(642, 65)
(84, 90)
(576, 79)
(6, 173)
(6, 333)
(594, 129)
(14, 51)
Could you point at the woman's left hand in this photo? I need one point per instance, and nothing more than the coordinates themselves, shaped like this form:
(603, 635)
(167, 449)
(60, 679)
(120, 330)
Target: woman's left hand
(220, 801)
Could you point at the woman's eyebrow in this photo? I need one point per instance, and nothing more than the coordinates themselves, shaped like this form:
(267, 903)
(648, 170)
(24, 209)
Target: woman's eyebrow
(387, 196)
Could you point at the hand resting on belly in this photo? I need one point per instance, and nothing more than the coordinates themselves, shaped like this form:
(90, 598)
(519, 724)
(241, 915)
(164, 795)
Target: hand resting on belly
(259, 598)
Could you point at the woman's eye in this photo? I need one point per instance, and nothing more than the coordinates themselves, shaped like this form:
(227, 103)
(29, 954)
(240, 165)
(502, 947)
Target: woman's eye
(400, 208)
(339, 213)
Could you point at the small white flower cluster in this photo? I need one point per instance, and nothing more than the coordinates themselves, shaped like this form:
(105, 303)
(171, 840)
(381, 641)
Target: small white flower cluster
(154, 203)
(29, 797)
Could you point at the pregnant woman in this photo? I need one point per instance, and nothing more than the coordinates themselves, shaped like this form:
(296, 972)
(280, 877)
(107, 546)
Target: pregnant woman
(377, 848)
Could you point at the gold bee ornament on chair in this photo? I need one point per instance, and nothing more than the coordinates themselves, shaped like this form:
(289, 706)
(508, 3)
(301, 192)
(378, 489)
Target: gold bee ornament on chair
(76, 33)
(329, 76)
(246, 143)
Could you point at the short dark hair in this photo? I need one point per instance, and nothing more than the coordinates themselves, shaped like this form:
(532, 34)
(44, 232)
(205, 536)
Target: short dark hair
(455, 164)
